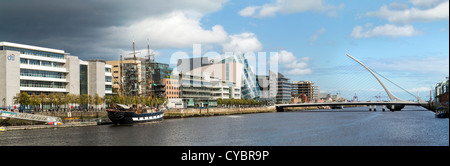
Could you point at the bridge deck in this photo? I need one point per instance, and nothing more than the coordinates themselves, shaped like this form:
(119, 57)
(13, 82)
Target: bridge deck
(351, 103)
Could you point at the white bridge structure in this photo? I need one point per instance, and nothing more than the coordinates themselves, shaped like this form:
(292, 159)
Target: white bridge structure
(395, 104)
(26, 116)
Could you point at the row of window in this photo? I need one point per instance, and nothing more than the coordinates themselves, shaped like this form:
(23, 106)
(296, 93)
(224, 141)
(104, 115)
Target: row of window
(33, 52)
(171, 82)
(42, 84)
(172, 93)
(41, 63)
(171, 87)
(38, 73)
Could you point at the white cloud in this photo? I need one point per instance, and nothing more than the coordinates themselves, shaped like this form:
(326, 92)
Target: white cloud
(316, 35)
(384, 30)
(425, 3)
(439, 12)
(248, 11)
(287, 7)
(174, 30)
(178, 29)
(244, 42)
(290, 64)
(298, 72)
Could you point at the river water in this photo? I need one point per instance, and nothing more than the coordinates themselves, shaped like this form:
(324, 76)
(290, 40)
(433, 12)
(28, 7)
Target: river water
(413, 126)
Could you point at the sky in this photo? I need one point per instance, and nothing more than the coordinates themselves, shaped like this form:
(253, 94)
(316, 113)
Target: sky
(406, 41)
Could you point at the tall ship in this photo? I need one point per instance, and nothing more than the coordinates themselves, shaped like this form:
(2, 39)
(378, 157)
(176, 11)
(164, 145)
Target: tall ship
(132, 84)
(122, 114)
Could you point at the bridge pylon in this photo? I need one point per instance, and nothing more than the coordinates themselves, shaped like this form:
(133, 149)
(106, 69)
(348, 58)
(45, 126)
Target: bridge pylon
(392, 97)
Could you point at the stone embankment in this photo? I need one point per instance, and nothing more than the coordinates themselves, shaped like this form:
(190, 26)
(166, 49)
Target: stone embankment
(184, 113)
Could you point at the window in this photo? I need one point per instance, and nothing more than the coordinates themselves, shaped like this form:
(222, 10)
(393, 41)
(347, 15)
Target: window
(108, 78)
(116, 71)
(108, 88)
(46, 63)
(34, 62)
(56, 64)
(23, 61)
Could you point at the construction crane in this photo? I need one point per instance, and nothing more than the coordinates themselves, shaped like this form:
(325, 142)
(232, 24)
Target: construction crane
(355, 98)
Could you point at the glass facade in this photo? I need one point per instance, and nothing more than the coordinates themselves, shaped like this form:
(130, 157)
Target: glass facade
(283, 90)
(108, 79)
(39, 73)
(83, 79)
(108, 88)
(33, 52)
(249, 86)
(42, 84)
(41, 63)
(159, 72)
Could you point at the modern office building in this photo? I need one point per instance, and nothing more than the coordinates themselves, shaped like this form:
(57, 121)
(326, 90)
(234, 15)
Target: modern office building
(305, 88)
(226, 78)
(172, 88)
(249, 85)
(441, 94)
(268, 85)
(33, 69)
(159, 72)
(196, 90)
(283, 89)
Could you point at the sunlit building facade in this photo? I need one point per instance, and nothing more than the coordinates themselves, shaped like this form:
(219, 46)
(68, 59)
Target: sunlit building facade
(33, 69)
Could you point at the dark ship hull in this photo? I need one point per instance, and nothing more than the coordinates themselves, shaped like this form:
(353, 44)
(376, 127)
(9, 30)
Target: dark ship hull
(129, 117)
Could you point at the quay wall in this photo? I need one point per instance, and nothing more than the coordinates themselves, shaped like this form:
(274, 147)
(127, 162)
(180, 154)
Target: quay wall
(171, 113)
(182, 113)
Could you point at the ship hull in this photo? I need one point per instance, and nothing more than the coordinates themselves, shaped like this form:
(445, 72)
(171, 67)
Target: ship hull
(124, 117)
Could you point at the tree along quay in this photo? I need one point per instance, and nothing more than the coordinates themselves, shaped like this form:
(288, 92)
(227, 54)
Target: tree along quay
(171, 113)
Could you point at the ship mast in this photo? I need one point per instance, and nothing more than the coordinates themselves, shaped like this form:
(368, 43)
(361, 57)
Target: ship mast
(149, 71)
(132, 76)
(121, 78)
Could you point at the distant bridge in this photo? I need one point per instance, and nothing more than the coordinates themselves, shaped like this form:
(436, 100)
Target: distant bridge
(392, 106)
(395, 104)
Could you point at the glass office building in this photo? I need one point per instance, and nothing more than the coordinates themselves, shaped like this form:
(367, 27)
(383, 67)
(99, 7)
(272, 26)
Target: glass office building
(249, 85)
(33, 69)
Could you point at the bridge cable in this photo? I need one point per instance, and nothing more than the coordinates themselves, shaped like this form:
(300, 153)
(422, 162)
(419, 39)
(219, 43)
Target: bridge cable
(393, 83)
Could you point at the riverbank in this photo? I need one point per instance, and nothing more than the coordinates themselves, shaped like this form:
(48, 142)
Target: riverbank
(90, 118)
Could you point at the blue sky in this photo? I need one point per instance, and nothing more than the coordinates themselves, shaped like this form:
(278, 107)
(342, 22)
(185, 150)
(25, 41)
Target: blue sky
(411, 51)
(405, 40)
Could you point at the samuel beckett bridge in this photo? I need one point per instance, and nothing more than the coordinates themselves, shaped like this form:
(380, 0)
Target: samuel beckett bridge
(395, 103)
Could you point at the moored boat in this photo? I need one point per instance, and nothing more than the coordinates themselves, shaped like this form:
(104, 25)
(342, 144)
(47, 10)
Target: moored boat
(122, 114)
